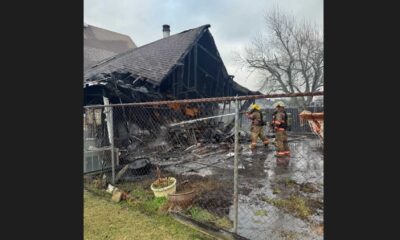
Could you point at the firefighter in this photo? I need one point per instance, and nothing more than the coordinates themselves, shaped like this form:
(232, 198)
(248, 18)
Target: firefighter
(280, 124)
(257, 126)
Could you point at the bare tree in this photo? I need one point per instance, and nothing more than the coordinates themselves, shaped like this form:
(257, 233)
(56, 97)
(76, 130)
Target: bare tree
(290, 56)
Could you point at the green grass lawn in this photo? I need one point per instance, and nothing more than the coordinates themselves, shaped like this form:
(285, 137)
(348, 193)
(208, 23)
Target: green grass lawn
(104, 219)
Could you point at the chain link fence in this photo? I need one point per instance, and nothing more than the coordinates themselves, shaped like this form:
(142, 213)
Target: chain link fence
(199, 149)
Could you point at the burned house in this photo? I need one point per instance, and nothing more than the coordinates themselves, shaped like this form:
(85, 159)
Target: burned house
(185, 65)
(181, 66)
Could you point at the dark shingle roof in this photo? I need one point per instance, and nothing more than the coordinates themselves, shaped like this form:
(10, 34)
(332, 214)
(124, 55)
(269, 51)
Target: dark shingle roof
(152, 61)
(100, 44)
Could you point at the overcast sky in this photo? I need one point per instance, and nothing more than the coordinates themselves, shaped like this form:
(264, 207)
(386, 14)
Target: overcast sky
(233, 22)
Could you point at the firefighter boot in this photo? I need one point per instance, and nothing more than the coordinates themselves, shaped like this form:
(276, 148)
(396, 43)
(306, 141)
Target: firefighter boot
(280, 154)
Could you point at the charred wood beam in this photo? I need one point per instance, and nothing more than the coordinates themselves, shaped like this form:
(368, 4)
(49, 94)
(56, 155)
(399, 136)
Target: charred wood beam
(136, 80)
(218, 82)
(181, 70)
(192, 91)
(173, 83)
(179, 83)
(178, 79)
(208, 52)
(205, 72)
(188, 68)
(195, 66)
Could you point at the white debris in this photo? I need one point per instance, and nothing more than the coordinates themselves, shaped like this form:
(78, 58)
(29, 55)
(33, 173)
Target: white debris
(111, 188)
(231, 154)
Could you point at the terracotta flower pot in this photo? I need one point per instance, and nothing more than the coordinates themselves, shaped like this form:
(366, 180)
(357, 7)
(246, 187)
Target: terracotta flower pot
(183, 200)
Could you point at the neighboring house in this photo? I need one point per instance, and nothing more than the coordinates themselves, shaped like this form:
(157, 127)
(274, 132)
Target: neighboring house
(180, 66)
(100, 44)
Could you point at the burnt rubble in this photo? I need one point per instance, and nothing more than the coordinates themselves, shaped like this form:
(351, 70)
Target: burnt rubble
(143, 125)
(183, 138)
(122, 87)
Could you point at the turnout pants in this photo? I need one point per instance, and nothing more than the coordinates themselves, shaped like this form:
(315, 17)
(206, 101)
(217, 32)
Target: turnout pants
(282, 142)
(257, 132)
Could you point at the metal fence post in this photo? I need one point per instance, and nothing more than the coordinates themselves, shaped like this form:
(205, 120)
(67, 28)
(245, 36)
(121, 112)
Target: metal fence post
(112, 146)
(110, 128)
(235, 171)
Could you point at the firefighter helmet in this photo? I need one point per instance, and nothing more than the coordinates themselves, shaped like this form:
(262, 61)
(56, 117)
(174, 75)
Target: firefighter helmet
(255, 106)
(279, 104)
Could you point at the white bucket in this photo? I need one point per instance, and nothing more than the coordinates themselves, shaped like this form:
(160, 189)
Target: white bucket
(163, 192)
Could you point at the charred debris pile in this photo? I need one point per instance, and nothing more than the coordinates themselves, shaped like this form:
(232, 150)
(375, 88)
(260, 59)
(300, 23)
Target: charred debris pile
(120, 87)
(142, 130)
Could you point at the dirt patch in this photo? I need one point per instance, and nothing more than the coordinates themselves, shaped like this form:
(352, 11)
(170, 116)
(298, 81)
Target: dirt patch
(212, 194)
(217, 202)
(194, 182)
(131, 186)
